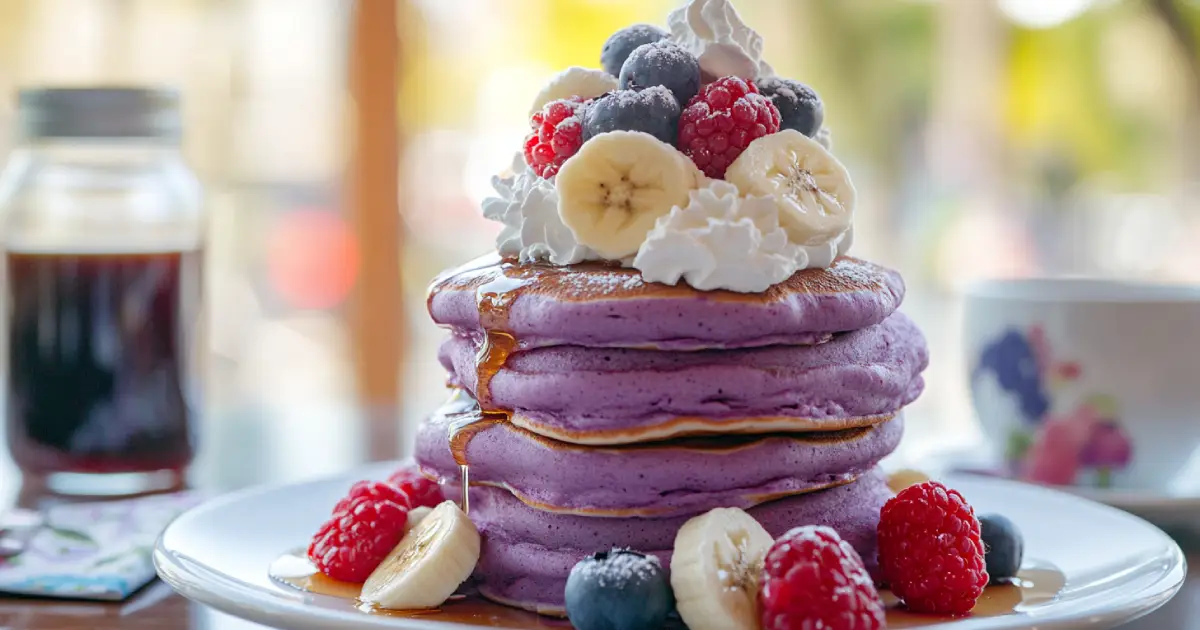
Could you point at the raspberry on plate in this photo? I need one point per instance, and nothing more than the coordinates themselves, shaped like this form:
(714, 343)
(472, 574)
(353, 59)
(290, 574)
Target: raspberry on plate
(364, 528)
(420, 490)
(557, 135)
(374, 491)
(720, 121)
(930, 550)
(814, 579)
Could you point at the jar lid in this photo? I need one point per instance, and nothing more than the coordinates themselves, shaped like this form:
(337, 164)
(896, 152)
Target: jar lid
(99, 112)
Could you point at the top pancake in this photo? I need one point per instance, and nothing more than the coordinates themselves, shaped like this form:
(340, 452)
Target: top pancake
(603, 305)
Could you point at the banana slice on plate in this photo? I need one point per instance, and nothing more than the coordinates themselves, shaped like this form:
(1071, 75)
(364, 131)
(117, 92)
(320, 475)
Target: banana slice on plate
(574, 81)
(612, 191)
(435, 557)
(810, 187)
(715, 568)
(415, 516)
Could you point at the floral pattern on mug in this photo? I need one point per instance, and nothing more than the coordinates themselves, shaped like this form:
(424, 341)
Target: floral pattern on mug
(1084, 445)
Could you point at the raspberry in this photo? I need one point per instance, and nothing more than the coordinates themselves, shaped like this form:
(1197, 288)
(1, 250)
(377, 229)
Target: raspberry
(375, 491)
(421, 491)
(364, 528)
(557, 135)
(720, 121)
(930, 550)
(814, 579)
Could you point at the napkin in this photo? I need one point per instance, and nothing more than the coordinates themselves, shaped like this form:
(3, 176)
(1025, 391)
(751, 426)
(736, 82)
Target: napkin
(99, 551)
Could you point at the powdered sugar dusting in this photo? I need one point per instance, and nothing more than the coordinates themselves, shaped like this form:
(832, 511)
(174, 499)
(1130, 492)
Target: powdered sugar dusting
(621, 567)
(857, 272)
(633, 98)
(603, 282)
(662, 54)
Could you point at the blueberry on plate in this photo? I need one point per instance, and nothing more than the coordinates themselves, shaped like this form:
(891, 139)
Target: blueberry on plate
(618, 590)
(616, 50)
(1003, 547)
(662, 63)
(652, 110)
(799, 106)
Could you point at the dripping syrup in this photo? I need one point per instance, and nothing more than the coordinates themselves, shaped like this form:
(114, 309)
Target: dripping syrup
(498, 289)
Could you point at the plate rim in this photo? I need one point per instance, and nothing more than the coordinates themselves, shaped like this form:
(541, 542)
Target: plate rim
(229, 595)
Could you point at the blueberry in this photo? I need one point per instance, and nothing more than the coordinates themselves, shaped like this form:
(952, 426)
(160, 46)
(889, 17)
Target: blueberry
(1003, 546)
(616, 50)
(799, 106)
(618, 590)
(662, 63)
(652, 110)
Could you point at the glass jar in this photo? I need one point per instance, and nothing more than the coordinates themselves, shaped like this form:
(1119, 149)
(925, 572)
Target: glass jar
(102, 239)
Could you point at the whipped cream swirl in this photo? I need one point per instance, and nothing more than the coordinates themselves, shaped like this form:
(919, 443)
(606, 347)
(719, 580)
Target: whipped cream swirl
(714, 33)
(527, 206)
(722, 240)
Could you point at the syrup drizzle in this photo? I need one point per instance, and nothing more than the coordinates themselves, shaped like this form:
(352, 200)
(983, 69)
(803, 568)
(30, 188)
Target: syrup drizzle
(1038, 584)
(498, 289)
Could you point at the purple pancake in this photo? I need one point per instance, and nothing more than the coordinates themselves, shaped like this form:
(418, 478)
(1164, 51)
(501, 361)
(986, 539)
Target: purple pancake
(620, 396)
(656, 479)
(527, 553)
(601, 305)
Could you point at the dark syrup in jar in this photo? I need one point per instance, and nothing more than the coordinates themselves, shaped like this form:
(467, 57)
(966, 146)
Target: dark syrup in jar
(97, 360)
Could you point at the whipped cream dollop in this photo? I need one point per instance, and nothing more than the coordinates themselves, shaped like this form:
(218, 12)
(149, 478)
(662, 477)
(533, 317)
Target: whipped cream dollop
(527, 206)
(713, 32)
(723, 240)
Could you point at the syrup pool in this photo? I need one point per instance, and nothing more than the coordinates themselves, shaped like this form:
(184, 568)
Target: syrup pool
(295, 571)
(1037, 584)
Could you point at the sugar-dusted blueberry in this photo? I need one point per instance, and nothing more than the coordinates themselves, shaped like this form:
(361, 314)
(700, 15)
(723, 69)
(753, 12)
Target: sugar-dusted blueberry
(652, 110)
(1003, 546)
(620, 44)
(662, 63)
(618, 589)
(799, 106)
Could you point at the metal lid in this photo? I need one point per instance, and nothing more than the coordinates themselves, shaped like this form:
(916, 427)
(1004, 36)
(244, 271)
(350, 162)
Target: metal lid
(94, 112)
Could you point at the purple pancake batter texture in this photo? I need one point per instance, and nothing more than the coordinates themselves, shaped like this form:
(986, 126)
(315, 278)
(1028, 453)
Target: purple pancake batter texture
(780, 403)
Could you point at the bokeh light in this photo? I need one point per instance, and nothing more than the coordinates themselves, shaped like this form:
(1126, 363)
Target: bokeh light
(312, 259)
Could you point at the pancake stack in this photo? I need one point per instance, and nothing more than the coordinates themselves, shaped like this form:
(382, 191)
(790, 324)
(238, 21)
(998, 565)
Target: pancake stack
(592, 409)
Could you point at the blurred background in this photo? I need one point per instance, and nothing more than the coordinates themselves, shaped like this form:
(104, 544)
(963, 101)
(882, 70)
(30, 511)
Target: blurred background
(986, 138)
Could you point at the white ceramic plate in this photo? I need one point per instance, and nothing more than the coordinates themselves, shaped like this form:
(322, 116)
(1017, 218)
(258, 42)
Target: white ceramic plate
(1117, 566)
(1173, 510)
(1177, 509)
(1162, 509)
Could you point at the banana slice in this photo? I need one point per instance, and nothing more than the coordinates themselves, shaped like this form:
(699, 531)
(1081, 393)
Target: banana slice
(429, 564)
(612, 191)
(574, 81)
(810, 187)
(415, 516)
(699, 179)
(715, 568)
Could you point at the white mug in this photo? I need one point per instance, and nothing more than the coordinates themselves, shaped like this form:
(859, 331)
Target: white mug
(1091, 383)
